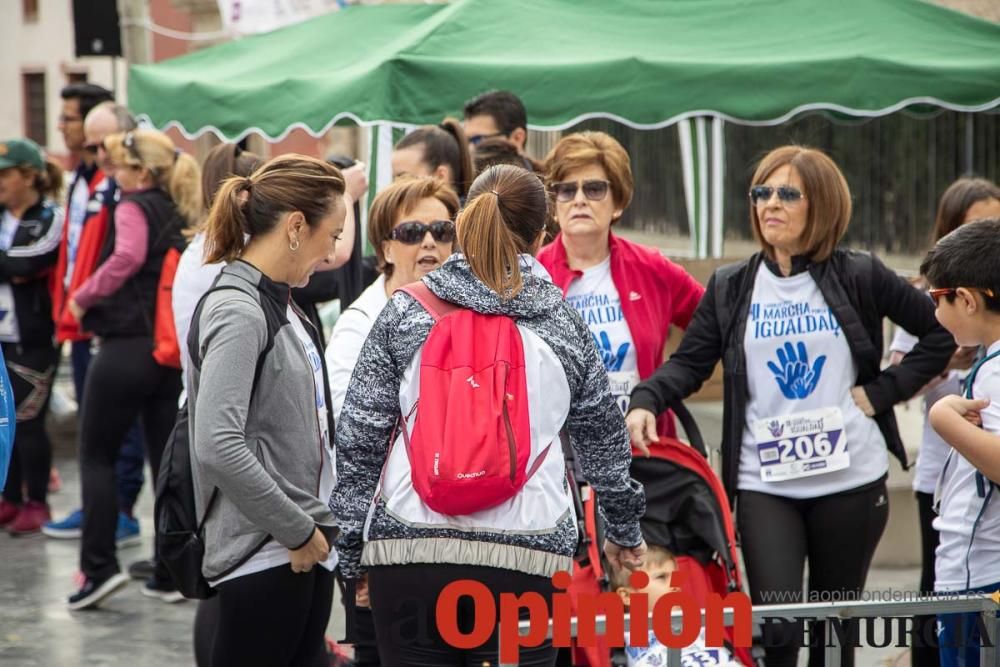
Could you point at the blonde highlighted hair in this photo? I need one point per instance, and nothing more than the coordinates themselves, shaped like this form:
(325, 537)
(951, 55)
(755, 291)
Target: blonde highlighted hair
(503, 218)
(174, 171)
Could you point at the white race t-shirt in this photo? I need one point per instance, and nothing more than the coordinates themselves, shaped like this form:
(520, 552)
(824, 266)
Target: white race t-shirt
(595, 297)
(933, 450)
(804, 437)
(274, 554)
(963, 559)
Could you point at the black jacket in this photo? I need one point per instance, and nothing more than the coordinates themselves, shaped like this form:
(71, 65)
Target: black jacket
(131, 311)
(27, 264)
(859, 289)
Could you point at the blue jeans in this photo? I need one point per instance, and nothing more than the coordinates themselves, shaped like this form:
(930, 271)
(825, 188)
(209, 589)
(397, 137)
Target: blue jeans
(959, 638)
(131, 458)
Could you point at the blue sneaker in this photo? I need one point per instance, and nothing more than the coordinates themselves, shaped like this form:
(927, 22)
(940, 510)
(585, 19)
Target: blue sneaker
(127, 534)
(70, 528)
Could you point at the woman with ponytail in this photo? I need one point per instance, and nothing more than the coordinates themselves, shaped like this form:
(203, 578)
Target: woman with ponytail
(30, 230)
(391, 539)
(436, 150)
(161, 197)
(261, 453)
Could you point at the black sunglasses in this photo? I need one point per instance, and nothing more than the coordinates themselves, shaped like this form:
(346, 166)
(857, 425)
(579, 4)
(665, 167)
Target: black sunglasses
(412, 233)
(593, 189)
(786, 194)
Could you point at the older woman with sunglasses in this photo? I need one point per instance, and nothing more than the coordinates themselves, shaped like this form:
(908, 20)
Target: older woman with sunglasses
(629, 295)
(411, 227)
(808, 420)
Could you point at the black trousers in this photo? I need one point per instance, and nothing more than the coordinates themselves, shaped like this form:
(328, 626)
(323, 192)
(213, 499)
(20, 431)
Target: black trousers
(404, 598)
(275, 618)
(32, 371)
(124, 382)
(926, 656)
(836, 533)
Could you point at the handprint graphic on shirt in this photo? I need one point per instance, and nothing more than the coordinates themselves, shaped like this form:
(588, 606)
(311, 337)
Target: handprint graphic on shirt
(793, 374)
(612, 360)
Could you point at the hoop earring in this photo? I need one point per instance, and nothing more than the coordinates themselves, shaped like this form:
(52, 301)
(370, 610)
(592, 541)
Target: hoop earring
(294, 245)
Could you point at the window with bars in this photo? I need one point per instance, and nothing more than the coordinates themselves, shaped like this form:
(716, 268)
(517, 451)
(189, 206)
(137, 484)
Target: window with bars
(35, 122)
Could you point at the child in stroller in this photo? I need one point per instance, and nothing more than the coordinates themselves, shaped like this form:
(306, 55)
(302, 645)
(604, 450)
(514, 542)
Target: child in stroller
(687, 517)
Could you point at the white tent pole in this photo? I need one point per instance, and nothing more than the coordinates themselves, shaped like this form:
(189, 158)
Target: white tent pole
(718, 183)
(703, 187)
(684, 131)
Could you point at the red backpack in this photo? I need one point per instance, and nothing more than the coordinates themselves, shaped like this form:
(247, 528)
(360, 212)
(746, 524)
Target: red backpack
(471, 437)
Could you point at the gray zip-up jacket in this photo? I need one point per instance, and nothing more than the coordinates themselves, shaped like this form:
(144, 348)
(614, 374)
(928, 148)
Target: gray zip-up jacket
(263, 452)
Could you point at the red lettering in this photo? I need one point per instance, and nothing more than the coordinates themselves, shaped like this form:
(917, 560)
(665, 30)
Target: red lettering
(588, 607)
(446, 614)
(690, 620)
(715, 629)
(538, 623)
(638, 608)
(562, 610)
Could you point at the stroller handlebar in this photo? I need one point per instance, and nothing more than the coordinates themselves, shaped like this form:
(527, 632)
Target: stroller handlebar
(690, 428)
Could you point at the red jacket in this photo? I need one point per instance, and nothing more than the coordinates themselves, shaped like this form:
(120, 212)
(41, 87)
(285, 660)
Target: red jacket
(654, 292)
(92, 238)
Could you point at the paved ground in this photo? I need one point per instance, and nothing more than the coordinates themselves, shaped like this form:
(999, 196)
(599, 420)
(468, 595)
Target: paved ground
(36, 575)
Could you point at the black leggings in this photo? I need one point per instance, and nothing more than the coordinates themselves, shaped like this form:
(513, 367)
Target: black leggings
(926, 656)
(124, 382)
(32, 371)
(275, 618)
(837, 533)
(404, 598)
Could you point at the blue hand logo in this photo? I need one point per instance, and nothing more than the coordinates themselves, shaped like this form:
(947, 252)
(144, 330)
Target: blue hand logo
(792, 372)
(612, 360)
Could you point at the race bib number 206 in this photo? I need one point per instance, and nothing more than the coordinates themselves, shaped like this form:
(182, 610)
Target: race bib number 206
(801, 444)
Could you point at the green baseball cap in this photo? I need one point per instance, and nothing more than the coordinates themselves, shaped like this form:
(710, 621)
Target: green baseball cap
(17, 152)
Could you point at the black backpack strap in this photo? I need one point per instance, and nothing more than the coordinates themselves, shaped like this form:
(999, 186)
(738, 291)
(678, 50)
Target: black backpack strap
(193, 335)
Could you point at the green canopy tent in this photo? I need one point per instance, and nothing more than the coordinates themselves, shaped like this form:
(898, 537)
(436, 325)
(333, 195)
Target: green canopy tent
(644, 63)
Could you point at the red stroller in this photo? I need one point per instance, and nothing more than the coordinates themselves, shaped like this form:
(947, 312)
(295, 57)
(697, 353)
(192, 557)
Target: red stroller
(687, 512)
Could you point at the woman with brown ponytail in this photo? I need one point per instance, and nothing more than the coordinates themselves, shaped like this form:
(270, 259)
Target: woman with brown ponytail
(29, 244)
(401, 543)
(161, 196)
(261, 455)
(440, 151)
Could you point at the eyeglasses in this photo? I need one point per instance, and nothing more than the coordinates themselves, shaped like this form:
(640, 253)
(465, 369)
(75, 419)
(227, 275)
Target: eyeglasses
(786, 194)
(939, 292)
(593, 189)
(63, 118)
(412, 233)
(93, 148)
(476, 139)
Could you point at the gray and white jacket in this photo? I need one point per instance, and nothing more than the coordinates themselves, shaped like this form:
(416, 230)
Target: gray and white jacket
(382, 519)
(261, 448)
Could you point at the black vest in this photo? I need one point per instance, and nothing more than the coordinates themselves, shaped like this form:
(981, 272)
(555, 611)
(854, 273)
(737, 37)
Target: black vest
(131, 310)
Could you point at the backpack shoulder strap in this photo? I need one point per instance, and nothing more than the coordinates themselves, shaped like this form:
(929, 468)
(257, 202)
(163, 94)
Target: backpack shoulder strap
(432, 303)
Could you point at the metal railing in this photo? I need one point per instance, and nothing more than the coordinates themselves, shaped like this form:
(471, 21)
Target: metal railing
(985, 605)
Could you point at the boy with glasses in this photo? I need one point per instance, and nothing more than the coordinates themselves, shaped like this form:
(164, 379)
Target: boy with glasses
(965, 284)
